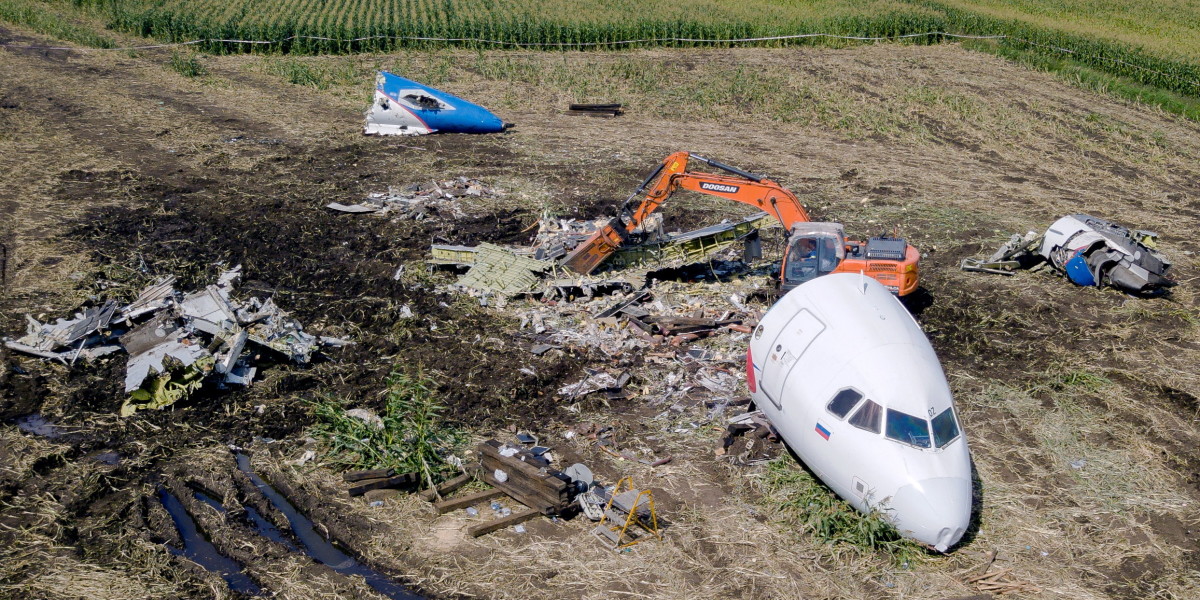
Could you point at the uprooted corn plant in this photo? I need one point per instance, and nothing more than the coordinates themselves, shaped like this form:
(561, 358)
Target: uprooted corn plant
(410, 435)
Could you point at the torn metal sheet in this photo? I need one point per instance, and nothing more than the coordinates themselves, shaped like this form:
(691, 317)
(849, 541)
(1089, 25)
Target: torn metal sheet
(151, 362)
(43, 338)
(171, 384)
(446, 254)
(156, 296)
(521, 270)
(594, 382)
(1093, 251)
(692, 246)
(209, 310)
(272, 327)
(434, 198)
(150, 343)
(352, 208)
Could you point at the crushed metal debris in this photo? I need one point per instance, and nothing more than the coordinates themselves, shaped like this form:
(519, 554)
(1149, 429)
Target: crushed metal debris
(1089, 250)
(189, 339)
(421, 200)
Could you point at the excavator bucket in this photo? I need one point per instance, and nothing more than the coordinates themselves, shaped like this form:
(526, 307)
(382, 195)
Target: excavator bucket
(588, 255)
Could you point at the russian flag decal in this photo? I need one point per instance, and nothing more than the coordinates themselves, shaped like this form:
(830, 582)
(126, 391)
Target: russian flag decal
(821, 431)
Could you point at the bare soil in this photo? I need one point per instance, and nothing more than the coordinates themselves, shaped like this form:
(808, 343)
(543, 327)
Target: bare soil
(115, 169)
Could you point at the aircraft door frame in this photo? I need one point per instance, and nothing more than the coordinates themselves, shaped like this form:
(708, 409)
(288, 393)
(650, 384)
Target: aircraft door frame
(785, 351)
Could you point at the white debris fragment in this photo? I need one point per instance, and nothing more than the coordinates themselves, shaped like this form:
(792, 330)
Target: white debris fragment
(366, 416)
(596, 381)
(352, 208)
(304, 458)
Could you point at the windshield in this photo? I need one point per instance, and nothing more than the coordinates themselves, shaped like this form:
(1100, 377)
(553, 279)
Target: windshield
(945, 428)
(868, 417)
(907, 429)
(809, 257)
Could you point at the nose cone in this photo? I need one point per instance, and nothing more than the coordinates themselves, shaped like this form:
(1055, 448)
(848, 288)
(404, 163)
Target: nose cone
(934, 511)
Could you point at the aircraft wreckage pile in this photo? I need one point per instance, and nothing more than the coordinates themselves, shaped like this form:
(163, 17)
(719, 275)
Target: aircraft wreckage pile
(176, 341)
(539, 269)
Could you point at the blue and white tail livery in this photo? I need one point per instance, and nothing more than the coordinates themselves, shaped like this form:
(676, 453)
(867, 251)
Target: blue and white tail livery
(405, 107)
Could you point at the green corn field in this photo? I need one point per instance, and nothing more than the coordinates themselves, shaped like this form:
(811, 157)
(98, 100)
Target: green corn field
(1152, 42)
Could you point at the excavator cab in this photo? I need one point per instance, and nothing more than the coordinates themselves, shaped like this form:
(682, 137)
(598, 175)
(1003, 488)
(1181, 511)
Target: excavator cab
(814, 249)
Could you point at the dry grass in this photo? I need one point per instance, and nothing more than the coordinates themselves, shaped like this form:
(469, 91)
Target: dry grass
(959, 149)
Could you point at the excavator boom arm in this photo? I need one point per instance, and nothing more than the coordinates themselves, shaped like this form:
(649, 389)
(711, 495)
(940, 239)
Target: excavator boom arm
(739, 186)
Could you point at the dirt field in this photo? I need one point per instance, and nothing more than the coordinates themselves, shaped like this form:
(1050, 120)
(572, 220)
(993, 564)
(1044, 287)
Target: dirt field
(115, 169)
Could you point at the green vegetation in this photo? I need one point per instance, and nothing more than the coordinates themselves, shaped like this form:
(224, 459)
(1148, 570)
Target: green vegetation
(55, 19)
(187, 65)
(1166, 27)
(512, 22)
(1144, 51)
(808, 506)
(1095, 79)
(410, 436)
(319, 76)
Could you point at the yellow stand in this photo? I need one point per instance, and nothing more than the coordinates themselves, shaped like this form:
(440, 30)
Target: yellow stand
(628, 506)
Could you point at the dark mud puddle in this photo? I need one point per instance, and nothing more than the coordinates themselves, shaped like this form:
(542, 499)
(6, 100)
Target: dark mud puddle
(317, 546)
(201, 551)
(262, 526)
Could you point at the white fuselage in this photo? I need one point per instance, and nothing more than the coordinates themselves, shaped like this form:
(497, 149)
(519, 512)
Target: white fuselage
(853, 386)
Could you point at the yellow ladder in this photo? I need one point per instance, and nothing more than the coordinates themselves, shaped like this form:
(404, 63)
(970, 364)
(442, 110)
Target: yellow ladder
(627, 507)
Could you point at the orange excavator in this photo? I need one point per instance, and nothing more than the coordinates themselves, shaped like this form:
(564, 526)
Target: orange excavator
(813, 249)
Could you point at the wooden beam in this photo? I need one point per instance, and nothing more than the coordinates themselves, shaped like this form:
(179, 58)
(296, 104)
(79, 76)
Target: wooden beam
(351, 476)
(517, 481)
(405, 480)
(524, 495)
(446, 487)
(446, 506)
(491, 449)
(501, 523)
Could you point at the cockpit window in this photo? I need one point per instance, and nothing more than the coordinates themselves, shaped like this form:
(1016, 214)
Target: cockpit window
(868, 417)
(945, 428)
(907, 429)
(843, 402)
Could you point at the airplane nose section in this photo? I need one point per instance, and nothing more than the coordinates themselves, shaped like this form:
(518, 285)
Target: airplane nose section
(934, 511)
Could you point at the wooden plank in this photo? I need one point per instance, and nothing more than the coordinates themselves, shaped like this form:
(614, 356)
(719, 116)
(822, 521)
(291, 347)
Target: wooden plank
(446, 506)
(405, 480)
(527, 487)
(594, 106)
(513, 519)
(351, 476)
(446, 487)
(491, 448)
(523, 496)
(524, 485)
